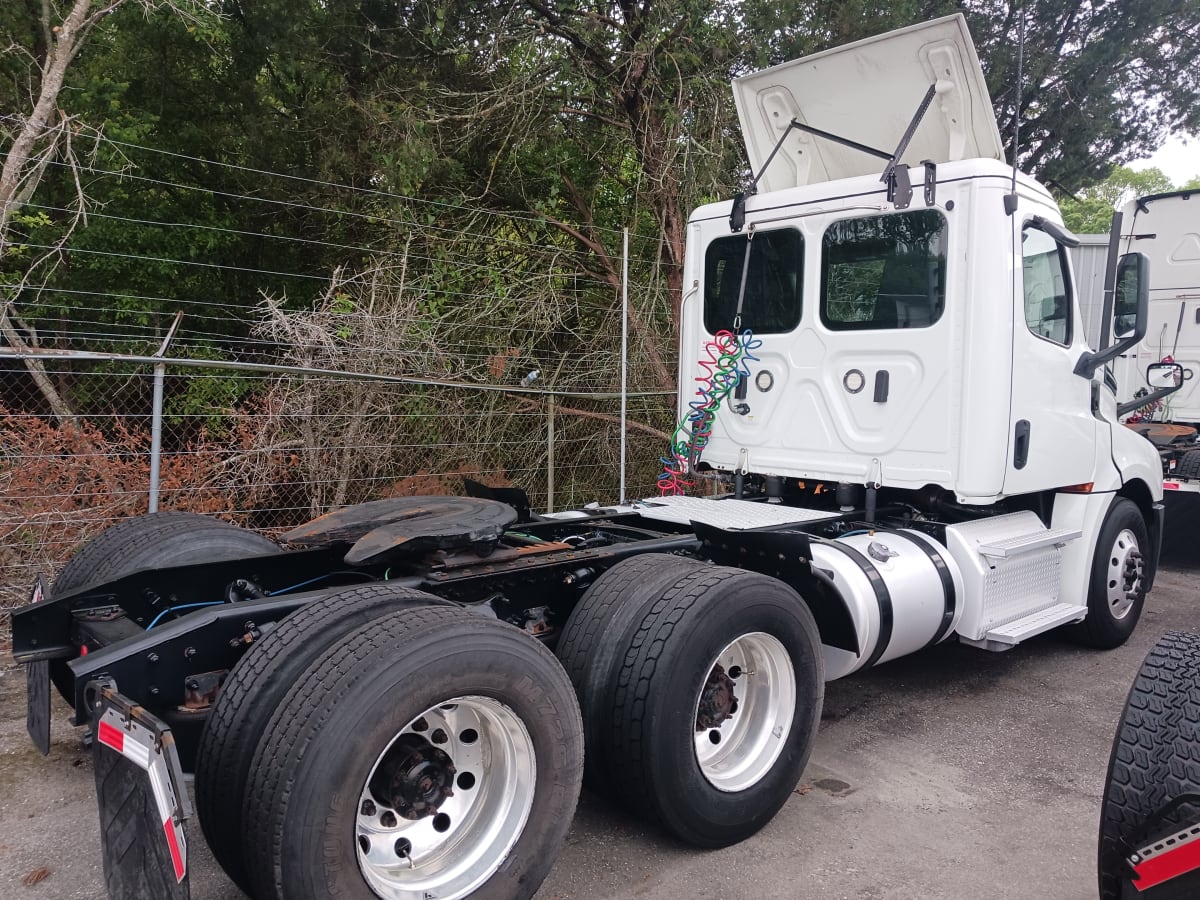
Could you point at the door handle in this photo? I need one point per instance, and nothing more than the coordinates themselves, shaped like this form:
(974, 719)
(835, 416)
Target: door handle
(1021, 444)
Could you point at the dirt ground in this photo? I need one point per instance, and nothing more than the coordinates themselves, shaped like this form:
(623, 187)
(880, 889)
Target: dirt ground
(954, 773)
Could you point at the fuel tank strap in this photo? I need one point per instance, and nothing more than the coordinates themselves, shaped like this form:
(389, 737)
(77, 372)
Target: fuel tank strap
(883, 597)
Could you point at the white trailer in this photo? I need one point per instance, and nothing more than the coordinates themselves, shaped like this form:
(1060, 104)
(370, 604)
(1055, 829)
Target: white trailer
(1166, 227)
(916, 445)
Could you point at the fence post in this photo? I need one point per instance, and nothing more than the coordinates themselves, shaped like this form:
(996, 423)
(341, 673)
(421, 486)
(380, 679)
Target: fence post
(624, 352)
(160, 374)
(550, 452)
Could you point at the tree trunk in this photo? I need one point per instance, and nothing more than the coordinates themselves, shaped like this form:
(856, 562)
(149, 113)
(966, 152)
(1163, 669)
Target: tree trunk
(21, 172)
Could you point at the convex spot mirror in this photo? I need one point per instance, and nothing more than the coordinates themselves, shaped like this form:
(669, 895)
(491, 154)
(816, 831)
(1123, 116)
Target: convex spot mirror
(1164, 375)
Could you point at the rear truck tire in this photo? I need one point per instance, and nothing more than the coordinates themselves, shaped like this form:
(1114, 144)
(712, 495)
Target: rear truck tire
(154, 540)
(431, 753)
(596, 635)
(1117, 588)
(1155, 758)
(1188, 467)
(255, 687)
(716, 705)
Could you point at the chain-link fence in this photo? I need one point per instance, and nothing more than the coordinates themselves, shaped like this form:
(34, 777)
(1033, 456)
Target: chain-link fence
(296, 443)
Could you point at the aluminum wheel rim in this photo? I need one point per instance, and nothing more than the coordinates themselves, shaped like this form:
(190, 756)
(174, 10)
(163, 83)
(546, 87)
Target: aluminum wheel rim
(450, 857)
(1124, 574)
(741, 750)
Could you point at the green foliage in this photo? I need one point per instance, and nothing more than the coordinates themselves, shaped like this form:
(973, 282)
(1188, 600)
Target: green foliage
(1091, 210)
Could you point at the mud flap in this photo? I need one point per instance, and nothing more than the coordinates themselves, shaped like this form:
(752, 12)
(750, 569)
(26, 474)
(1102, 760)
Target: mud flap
(37, 687)
(143, 802)
(1169, 869)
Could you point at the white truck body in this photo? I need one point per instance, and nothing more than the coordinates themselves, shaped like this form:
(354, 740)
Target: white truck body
(958, 375)
(1166, 227)
(897, 391)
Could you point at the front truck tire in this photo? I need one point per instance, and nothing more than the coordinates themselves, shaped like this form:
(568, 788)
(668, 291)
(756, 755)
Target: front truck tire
(254, 688)
(431, 753)
(1117, 586)
(716, 705)
(1155, 758)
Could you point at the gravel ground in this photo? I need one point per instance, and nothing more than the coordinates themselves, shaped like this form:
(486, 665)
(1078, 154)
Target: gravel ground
(950, 774)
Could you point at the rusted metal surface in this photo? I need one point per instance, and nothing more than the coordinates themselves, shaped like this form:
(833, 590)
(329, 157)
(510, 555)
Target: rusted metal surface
(1162, 434)
(417, 524)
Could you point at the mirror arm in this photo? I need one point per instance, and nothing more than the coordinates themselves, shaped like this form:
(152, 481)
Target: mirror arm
(1138, 402)
(1092, 360)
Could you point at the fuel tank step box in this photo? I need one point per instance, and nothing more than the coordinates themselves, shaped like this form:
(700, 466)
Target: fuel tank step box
(1008, 636)
(1012, 573)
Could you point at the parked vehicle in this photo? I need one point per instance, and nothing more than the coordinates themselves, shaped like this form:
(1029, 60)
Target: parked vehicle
(1166, 227)
(1150, 817)
(915, 445)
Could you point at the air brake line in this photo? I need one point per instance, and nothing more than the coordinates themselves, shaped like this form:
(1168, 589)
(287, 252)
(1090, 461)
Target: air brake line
(727, 357)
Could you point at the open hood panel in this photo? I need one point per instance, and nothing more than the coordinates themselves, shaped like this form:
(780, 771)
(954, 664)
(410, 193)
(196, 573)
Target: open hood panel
(868, 92)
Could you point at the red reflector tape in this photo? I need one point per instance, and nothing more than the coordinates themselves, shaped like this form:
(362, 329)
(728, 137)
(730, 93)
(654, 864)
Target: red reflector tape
(173, 844)
(112, 737)
(1170, 486)
(1168, 859)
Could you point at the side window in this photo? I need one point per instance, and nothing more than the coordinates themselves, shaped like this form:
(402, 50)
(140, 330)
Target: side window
(884, 271)
(771, 303)
(1047, 288)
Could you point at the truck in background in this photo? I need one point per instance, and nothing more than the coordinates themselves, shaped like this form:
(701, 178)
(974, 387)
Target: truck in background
(1165, 227)
(882, 369)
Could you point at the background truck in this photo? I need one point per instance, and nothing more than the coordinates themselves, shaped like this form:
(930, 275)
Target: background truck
(881, 372)
(1165, 227)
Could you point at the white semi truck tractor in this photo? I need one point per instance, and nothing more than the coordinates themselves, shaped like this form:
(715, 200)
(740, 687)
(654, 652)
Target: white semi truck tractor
(892, 434)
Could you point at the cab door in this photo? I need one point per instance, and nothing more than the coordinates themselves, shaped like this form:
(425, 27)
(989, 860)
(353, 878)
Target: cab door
(1052, 430)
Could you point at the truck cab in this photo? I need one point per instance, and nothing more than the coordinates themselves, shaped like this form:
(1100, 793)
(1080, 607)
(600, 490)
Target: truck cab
(907, 342)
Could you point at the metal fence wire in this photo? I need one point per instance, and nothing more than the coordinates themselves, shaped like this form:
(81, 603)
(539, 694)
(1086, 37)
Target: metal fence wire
(457, 344)
(294, 445)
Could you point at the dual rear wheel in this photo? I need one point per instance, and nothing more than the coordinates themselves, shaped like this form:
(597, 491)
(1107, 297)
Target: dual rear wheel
(701, 693)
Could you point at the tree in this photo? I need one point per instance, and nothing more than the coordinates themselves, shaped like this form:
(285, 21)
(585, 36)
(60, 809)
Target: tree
(1104, 82)
(1091, 210)
(45, 135)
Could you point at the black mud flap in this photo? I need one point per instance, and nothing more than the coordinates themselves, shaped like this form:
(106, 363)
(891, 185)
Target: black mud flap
(37, 687)
(142, 799)
(37, 704)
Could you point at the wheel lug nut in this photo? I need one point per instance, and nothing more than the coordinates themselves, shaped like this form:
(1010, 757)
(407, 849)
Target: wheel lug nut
(388, 819)
(368, 808)
(439, 736)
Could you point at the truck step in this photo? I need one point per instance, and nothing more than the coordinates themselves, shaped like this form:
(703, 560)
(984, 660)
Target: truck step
(1006, 548)
(1007, 636)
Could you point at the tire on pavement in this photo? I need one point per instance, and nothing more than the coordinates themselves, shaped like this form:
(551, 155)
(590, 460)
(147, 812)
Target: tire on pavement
(432, 752)
(594, 638)
(1117, 586)
(716, 705)
(255, 686)
(1155, 758)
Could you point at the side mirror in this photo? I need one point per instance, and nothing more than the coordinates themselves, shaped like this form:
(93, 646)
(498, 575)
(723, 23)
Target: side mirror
(1164, 379)
(1131, 297)
(1164, 375)
(1131, 312)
